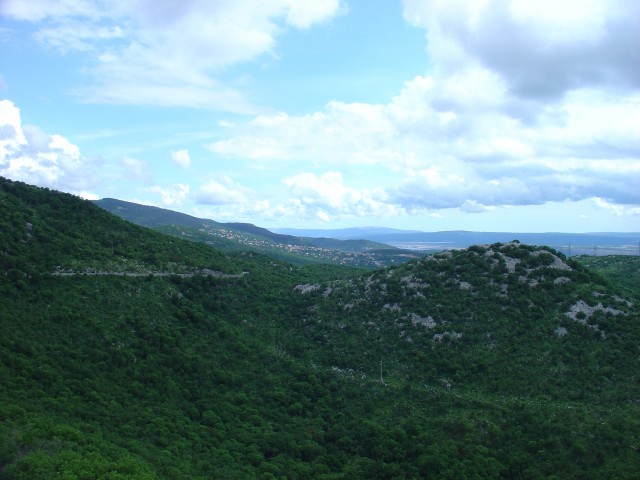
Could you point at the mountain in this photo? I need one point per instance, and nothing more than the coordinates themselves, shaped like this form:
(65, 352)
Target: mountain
(343, 233)
(150, 216)
(601, 243)
(129, 354)
(245, 236)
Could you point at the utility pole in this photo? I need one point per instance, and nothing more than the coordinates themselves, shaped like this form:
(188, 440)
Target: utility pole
(381, 380)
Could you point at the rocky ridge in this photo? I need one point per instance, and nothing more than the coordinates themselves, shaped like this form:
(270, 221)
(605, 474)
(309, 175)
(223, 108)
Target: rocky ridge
(478, 297)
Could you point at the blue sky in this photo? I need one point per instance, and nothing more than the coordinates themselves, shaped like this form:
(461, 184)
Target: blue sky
(494, 115)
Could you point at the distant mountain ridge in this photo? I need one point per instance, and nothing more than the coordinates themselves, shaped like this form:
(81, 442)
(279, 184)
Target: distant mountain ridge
(343, 233)
(413, 239)
(246, 236)
(150, 216)
(627, 242)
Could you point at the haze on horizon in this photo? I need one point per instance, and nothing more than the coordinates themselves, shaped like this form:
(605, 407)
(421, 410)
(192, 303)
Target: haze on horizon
(489, 115)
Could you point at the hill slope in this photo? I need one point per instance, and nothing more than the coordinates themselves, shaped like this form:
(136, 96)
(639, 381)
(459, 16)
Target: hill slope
(623, 270)
(245, 236)
(500, 361)
(472, 310)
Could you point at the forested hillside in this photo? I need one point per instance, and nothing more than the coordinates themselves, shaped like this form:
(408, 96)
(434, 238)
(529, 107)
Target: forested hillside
(623, 270)
(127, 354)
(248, 237)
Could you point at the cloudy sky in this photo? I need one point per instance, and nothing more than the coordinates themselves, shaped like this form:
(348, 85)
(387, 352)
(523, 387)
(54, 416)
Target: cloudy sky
(493, 115)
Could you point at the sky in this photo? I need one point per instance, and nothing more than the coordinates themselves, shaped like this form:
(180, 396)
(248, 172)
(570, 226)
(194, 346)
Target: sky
(485, 115)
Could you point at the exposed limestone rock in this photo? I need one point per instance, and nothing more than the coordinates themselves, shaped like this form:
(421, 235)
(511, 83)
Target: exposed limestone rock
(391, 307)
(511, 263)
(557, 264)
(438, 337)
(622, 300)
(428, 322)
(582, 307)
(561, 331)
(412, 282)
(305, 289)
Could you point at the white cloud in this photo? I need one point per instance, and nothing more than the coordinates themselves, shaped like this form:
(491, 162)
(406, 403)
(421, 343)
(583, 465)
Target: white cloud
(309, 196)
(326, 196)
(173, 196)
(304, 13)
(136, 168)
(30, 155)
(584, 146)
(37, 10)
(224, 192)
(168, 53)
(541, 49)
(471, 206)
(523, 105)
(355, 133)
(616, 210)
(246, 211)
(439, 189)
(88, 195)
(181, 157)
(77, 36)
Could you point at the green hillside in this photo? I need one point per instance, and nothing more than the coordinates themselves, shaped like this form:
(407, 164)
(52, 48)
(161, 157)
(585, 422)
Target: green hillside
(128, 354)
(623, 270)
(248, 237)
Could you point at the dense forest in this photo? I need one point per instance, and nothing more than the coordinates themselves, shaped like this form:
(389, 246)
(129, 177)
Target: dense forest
(129, 354)
(621, 270)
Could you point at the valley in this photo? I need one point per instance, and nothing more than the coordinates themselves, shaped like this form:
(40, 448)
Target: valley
(243, 236)
(159, 357)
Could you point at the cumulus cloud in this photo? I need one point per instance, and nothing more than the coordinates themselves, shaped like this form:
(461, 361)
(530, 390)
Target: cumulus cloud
(343, 133)
(136, 168)
(37, 10)
(434, 189)
(309, 196)
(181, 157)
(541, 49)
(304, 13)
(585, 146)
(471, 206)
(526, 103)
(223, 192)
(167, 53)
(30, 155)
(523, 103)
(616, 210)
(172, 196)
(326, 197)
(88, 195)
